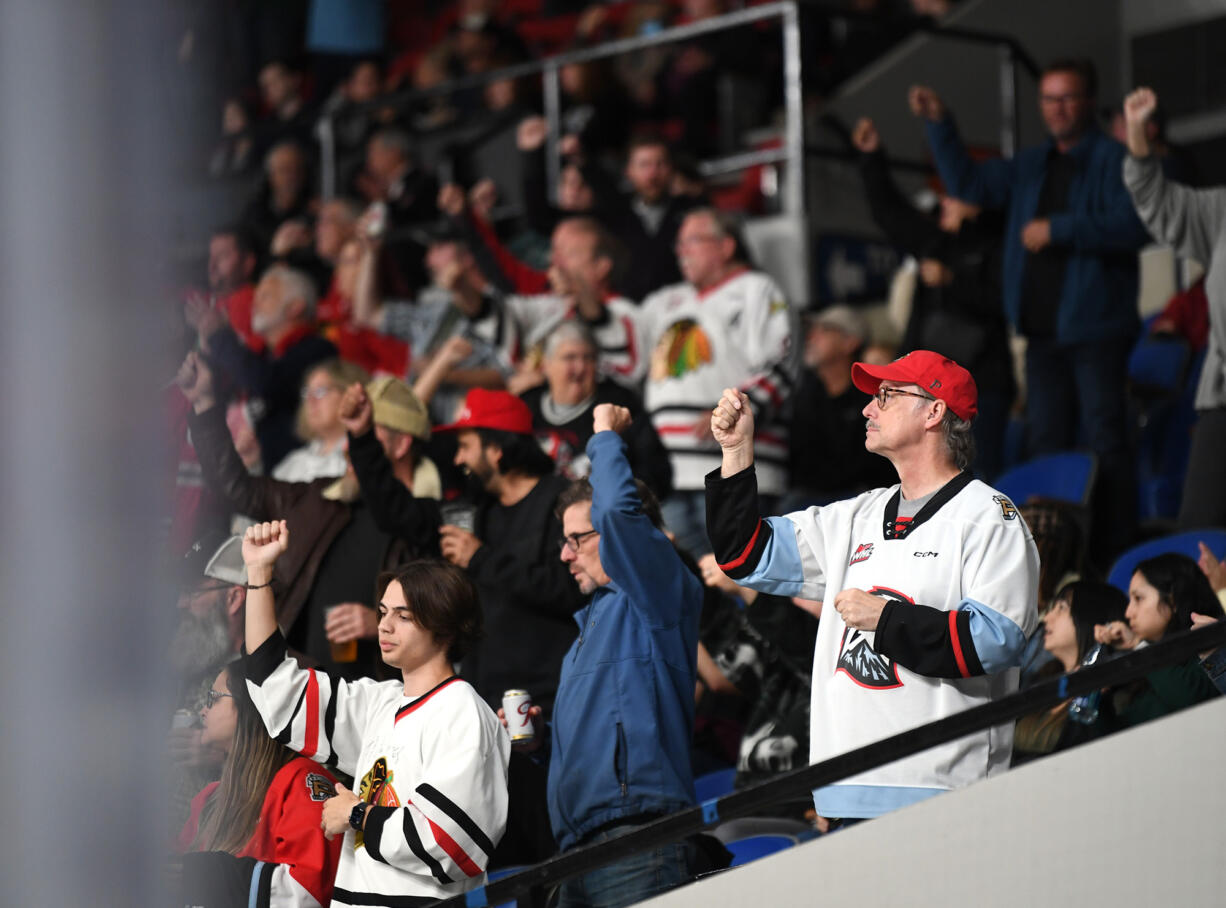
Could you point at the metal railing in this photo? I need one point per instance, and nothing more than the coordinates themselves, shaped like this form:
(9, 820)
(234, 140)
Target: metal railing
(792, 154)
(799, 782)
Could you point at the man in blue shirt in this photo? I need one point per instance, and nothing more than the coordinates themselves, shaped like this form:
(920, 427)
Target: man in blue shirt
(1070, 265)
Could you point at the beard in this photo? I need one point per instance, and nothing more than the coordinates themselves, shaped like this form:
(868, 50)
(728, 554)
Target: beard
(200, 644)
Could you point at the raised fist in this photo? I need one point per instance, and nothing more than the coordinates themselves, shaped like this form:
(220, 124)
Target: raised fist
(355, 412)
(1139, 106)
(482, 196)
(195, 380)
(531, 133)
(263, 543)
(732, 420)
(610, 417)
(865, 136)
(926, 103)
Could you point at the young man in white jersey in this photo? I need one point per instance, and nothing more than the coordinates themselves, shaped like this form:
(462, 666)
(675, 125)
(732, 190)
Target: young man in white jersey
(930, 586)
(431, 757)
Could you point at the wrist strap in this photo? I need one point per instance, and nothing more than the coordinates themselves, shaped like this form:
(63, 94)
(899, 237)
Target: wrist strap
(258, 586)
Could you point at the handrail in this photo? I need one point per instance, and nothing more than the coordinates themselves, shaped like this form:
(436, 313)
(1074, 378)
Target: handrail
(746, 802)
(793, 153)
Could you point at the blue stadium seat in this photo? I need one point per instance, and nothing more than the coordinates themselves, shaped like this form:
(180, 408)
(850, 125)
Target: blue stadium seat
(714, 784)
(1159, 364)
(757, 846)
(1180, 543)
(1066, 477)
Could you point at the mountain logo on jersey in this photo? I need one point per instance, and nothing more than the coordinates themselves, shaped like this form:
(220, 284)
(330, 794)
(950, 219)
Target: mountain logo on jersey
(683, 348)
(863, 552)
(320, 787)
(1007, 510)
(860, 662)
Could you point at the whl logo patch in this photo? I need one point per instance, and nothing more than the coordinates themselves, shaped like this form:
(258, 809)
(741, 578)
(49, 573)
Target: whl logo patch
(863, 552)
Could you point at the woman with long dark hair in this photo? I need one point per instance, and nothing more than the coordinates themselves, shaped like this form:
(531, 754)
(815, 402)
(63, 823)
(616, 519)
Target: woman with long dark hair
(1163, 594)
(256, 831)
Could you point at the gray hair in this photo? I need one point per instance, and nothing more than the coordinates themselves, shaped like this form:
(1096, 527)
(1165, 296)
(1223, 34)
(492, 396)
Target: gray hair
(294, 285)
(568, 331)
(959, 441)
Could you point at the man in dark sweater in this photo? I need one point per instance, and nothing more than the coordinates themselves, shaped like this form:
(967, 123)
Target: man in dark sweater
(510, 548)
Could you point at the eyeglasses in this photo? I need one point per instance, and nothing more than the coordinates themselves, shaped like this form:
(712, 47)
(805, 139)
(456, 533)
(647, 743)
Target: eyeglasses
(883, 395)
(317, 393)
(211, 698)
(574, 540)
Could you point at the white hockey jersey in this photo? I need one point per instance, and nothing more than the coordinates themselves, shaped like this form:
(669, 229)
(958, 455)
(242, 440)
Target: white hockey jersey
(434, 769)
(740, 333)
(619, 344)
(973, 558)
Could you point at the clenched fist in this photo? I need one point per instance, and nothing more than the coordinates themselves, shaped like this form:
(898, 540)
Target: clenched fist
(263, 544)
(926, 103)
(865, 136)
(610, 417)
(355, 412)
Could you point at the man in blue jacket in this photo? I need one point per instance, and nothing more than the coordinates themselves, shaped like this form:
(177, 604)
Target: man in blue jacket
(624, 714)
(1070, 265)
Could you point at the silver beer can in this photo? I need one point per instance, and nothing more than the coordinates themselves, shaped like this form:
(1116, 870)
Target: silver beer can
(515, 706)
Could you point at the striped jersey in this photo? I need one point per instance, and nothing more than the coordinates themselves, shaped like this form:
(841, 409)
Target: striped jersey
(619, 348)
(740, 333)
(434, 769)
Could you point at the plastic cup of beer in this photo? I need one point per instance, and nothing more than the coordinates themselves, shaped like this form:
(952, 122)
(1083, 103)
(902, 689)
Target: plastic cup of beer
(341, 652)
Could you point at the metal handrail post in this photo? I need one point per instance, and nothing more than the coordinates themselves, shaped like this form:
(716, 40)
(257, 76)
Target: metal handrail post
(553, 117)
(794, 191)
(1010, 126)
(326, 134)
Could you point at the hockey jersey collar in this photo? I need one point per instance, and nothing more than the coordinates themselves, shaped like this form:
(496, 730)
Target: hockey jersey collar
(894, 528)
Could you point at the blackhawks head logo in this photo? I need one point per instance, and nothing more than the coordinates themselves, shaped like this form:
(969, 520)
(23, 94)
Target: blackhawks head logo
(681, 349)
(376, 788)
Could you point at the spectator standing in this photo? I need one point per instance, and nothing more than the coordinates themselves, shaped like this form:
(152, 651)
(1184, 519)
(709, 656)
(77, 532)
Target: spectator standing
(828, 460)
(929, 588)
(326, 582)
(1194, 222)
(726, 325)
(562, 410)
(620, 739)
(956, 309)
(1069, 274)
(431, 758)
(283, 314)
(509, 548)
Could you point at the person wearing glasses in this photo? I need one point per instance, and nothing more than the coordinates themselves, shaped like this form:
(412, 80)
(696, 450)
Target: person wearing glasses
(254, 837)
(619, 744)
(1068, 273)
(929, 586)
(318, 424)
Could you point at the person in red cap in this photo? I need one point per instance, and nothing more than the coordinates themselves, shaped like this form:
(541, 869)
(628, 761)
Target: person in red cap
(930, 585)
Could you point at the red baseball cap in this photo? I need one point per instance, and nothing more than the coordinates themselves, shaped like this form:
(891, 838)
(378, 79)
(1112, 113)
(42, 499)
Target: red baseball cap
(500, 410)
(939, 375)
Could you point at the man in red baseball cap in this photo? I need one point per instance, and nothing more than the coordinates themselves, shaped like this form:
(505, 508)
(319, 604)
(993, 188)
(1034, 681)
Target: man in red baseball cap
(930, 586)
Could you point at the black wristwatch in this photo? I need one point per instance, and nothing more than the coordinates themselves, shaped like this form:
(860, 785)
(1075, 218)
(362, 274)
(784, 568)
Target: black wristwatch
(358, 815)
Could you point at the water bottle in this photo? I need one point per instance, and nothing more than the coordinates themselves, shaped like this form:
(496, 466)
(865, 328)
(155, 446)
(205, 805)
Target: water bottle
(1084, 709)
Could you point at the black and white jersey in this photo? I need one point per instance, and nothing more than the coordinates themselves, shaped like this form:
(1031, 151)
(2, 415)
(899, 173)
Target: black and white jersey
(434, 769)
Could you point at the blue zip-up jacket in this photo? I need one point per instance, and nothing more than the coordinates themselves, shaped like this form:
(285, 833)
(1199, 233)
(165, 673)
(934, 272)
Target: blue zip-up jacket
(1099, 227)
(624, 714)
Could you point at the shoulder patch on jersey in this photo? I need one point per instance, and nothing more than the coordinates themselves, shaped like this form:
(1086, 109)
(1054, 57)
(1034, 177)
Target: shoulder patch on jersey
(863, 552)
(778, 305)
(1007, 510)
(319, 786)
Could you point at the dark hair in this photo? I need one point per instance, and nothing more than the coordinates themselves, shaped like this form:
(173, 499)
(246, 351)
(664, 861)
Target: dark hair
(242, 237)
(580, 491)
(1182, 587)
(1080, 66)
(229, 820)
(443, 600)
(648, 140)
(727, 224)
(1091, 603)
(1058, 535)
(520, 453)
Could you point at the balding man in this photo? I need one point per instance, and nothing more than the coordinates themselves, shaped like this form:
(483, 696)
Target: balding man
(726, 325)
(929, 586)
(283, 314)
(581, 266)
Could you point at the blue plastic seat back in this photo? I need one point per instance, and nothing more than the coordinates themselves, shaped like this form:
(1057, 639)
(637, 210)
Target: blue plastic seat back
(757, 846)
(1179, 543)
(1067, 477)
